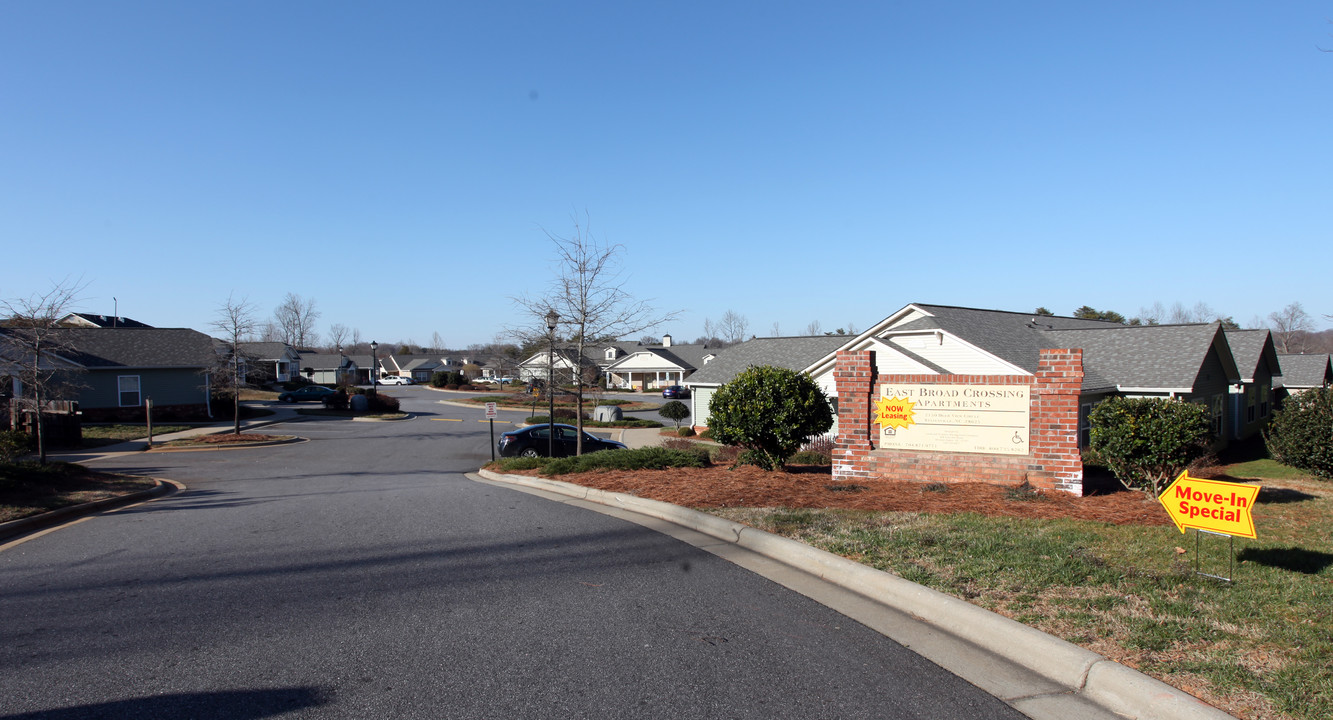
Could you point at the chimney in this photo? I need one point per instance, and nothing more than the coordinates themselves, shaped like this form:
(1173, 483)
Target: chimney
(666, 341)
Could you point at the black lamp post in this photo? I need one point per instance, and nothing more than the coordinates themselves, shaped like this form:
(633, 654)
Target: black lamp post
(374, 361)
(552, 318)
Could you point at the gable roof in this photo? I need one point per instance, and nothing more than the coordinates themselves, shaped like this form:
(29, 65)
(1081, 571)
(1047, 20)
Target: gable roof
(792, 353)
(1306, 371)
(1251, 350)
(142, 348)
(1160, 358)
(1145, 357)
(325, 361)
(266, 350)
(100, 321)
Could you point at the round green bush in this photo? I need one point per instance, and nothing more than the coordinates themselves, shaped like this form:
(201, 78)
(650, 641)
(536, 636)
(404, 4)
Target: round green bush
(769, 411)
(1147, 442)
(1301, 432)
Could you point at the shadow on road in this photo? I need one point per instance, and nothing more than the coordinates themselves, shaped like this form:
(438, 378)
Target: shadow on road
(231, 704)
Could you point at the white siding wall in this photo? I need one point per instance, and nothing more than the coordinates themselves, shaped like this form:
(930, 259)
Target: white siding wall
(699, 411)
(952, 355)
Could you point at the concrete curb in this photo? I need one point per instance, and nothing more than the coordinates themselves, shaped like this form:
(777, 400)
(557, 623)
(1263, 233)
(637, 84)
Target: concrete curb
(32, 523)
(1106, 683)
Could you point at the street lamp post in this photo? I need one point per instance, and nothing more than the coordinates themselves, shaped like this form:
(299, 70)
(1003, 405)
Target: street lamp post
(374, 361)
(552, 318)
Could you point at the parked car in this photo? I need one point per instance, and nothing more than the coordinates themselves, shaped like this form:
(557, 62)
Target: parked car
(675, 391)
(309, 392)
(396, 380)
(534, 440)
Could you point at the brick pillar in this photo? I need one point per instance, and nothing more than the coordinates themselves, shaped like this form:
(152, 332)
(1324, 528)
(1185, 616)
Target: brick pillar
(854, 375)
(1055, 418)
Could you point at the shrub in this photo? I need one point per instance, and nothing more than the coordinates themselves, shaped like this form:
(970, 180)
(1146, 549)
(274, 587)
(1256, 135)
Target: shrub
(685, 432)
(689, 446)
(675, 411)
(439, 379)
(1301, 432)
(770, 411)
(1146, 442)
(810, 457)
(378, 403)
(14, 444)
(519, 463)
(649, 458)
(725, 455)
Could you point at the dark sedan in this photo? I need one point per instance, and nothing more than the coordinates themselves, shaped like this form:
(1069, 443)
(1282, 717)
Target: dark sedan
(675, 391)
(309, 392)
(534, 440)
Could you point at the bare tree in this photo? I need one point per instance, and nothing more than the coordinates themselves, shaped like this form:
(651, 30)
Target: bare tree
(775, 331)
(33, 348)
(436, 343)
(814, 328)
(590, 299)
(733, 327)
(236, 321)
(296, 318)
(268, 332)
(1290, 325)
(337, 335)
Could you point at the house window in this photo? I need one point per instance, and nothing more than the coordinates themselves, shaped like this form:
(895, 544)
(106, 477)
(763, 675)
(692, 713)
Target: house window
(1249, 403)
(128, 386)
(1084, 425)
(1216, 406)
(1264, 393)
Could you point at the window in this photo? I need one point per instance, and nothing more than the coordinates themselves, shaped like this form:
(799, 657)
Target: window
(128, 386)
(1084, 426)
(1249, 403)
(1265, 392)
(1216, 406)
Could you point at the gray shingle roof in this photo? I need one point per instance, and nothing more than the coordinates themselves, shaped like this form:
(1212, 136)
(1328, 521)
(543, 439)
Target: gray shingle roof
(1251, 348)
(1143, 356)
(1306, 371)
(264, 350)
(793, 353)
(96, 348)
(1014, 337)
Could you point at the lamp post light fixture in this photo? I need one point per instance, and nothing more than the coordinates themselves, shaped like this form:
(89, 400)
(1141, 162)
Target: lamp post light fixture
(552, 318)
(374, 361)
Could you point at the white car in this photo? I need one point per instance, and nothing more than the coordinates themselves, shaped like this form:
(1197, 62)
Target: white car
(396, 380)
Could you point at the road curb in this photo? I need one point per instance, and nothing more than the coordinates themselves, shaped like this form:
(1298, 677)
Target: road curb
(1104, 682)
(32, 523)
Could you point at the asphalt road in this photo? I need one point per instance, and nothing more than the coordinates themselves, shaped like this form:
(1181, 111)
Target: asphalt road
(362, 575)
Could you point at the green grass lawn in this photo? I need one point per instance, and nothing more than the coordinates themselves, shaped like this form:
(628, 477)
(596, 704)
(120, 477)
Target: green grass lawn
(1259, 647)
(27, 488)
(100, 435)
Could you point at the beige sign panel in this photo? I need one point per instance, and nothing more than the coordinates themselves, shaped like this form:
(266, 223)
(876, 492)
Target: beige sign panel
(990, 419)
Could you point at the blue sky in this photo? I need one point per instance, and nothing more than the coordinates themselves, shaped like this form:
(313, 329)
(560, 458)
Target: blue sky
(793, 162)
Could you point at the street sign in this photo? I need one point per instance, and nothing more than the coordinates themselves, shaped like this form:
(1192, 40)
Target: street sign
(1210, 505)
(491, 411)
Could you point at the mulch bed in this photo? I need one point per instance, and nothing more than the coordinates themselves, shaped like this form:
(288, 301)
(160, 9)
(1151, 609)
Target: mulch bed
(228, 438)
(813, 487)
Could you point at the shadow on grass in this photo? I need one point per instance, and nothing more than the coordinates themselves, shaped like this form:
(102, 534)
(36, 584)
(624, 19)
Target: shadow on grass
(1308, 562)
(1282, 496)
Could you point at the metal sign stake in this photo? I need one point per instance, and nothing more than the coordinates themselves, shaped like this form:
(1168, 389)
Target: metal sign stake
(1231, 556)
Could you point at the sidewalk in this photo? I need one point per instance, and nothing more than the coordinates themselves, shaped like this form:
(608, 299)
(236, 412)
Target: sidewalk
(281, 413)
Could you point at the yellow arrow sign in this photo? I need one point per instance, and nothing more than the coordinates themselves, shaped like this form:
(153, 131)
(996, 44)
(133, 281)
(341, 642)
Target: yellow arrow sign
(1211, 505)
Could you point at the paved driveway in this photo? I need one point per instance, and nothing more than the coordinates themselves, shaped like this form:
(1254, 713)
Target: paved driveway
(362, 575)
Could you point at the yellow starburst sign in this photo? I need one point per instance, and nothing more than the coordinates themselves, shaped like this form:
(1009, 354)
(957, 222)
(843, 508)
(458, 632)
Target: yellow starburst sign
(895, 412)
